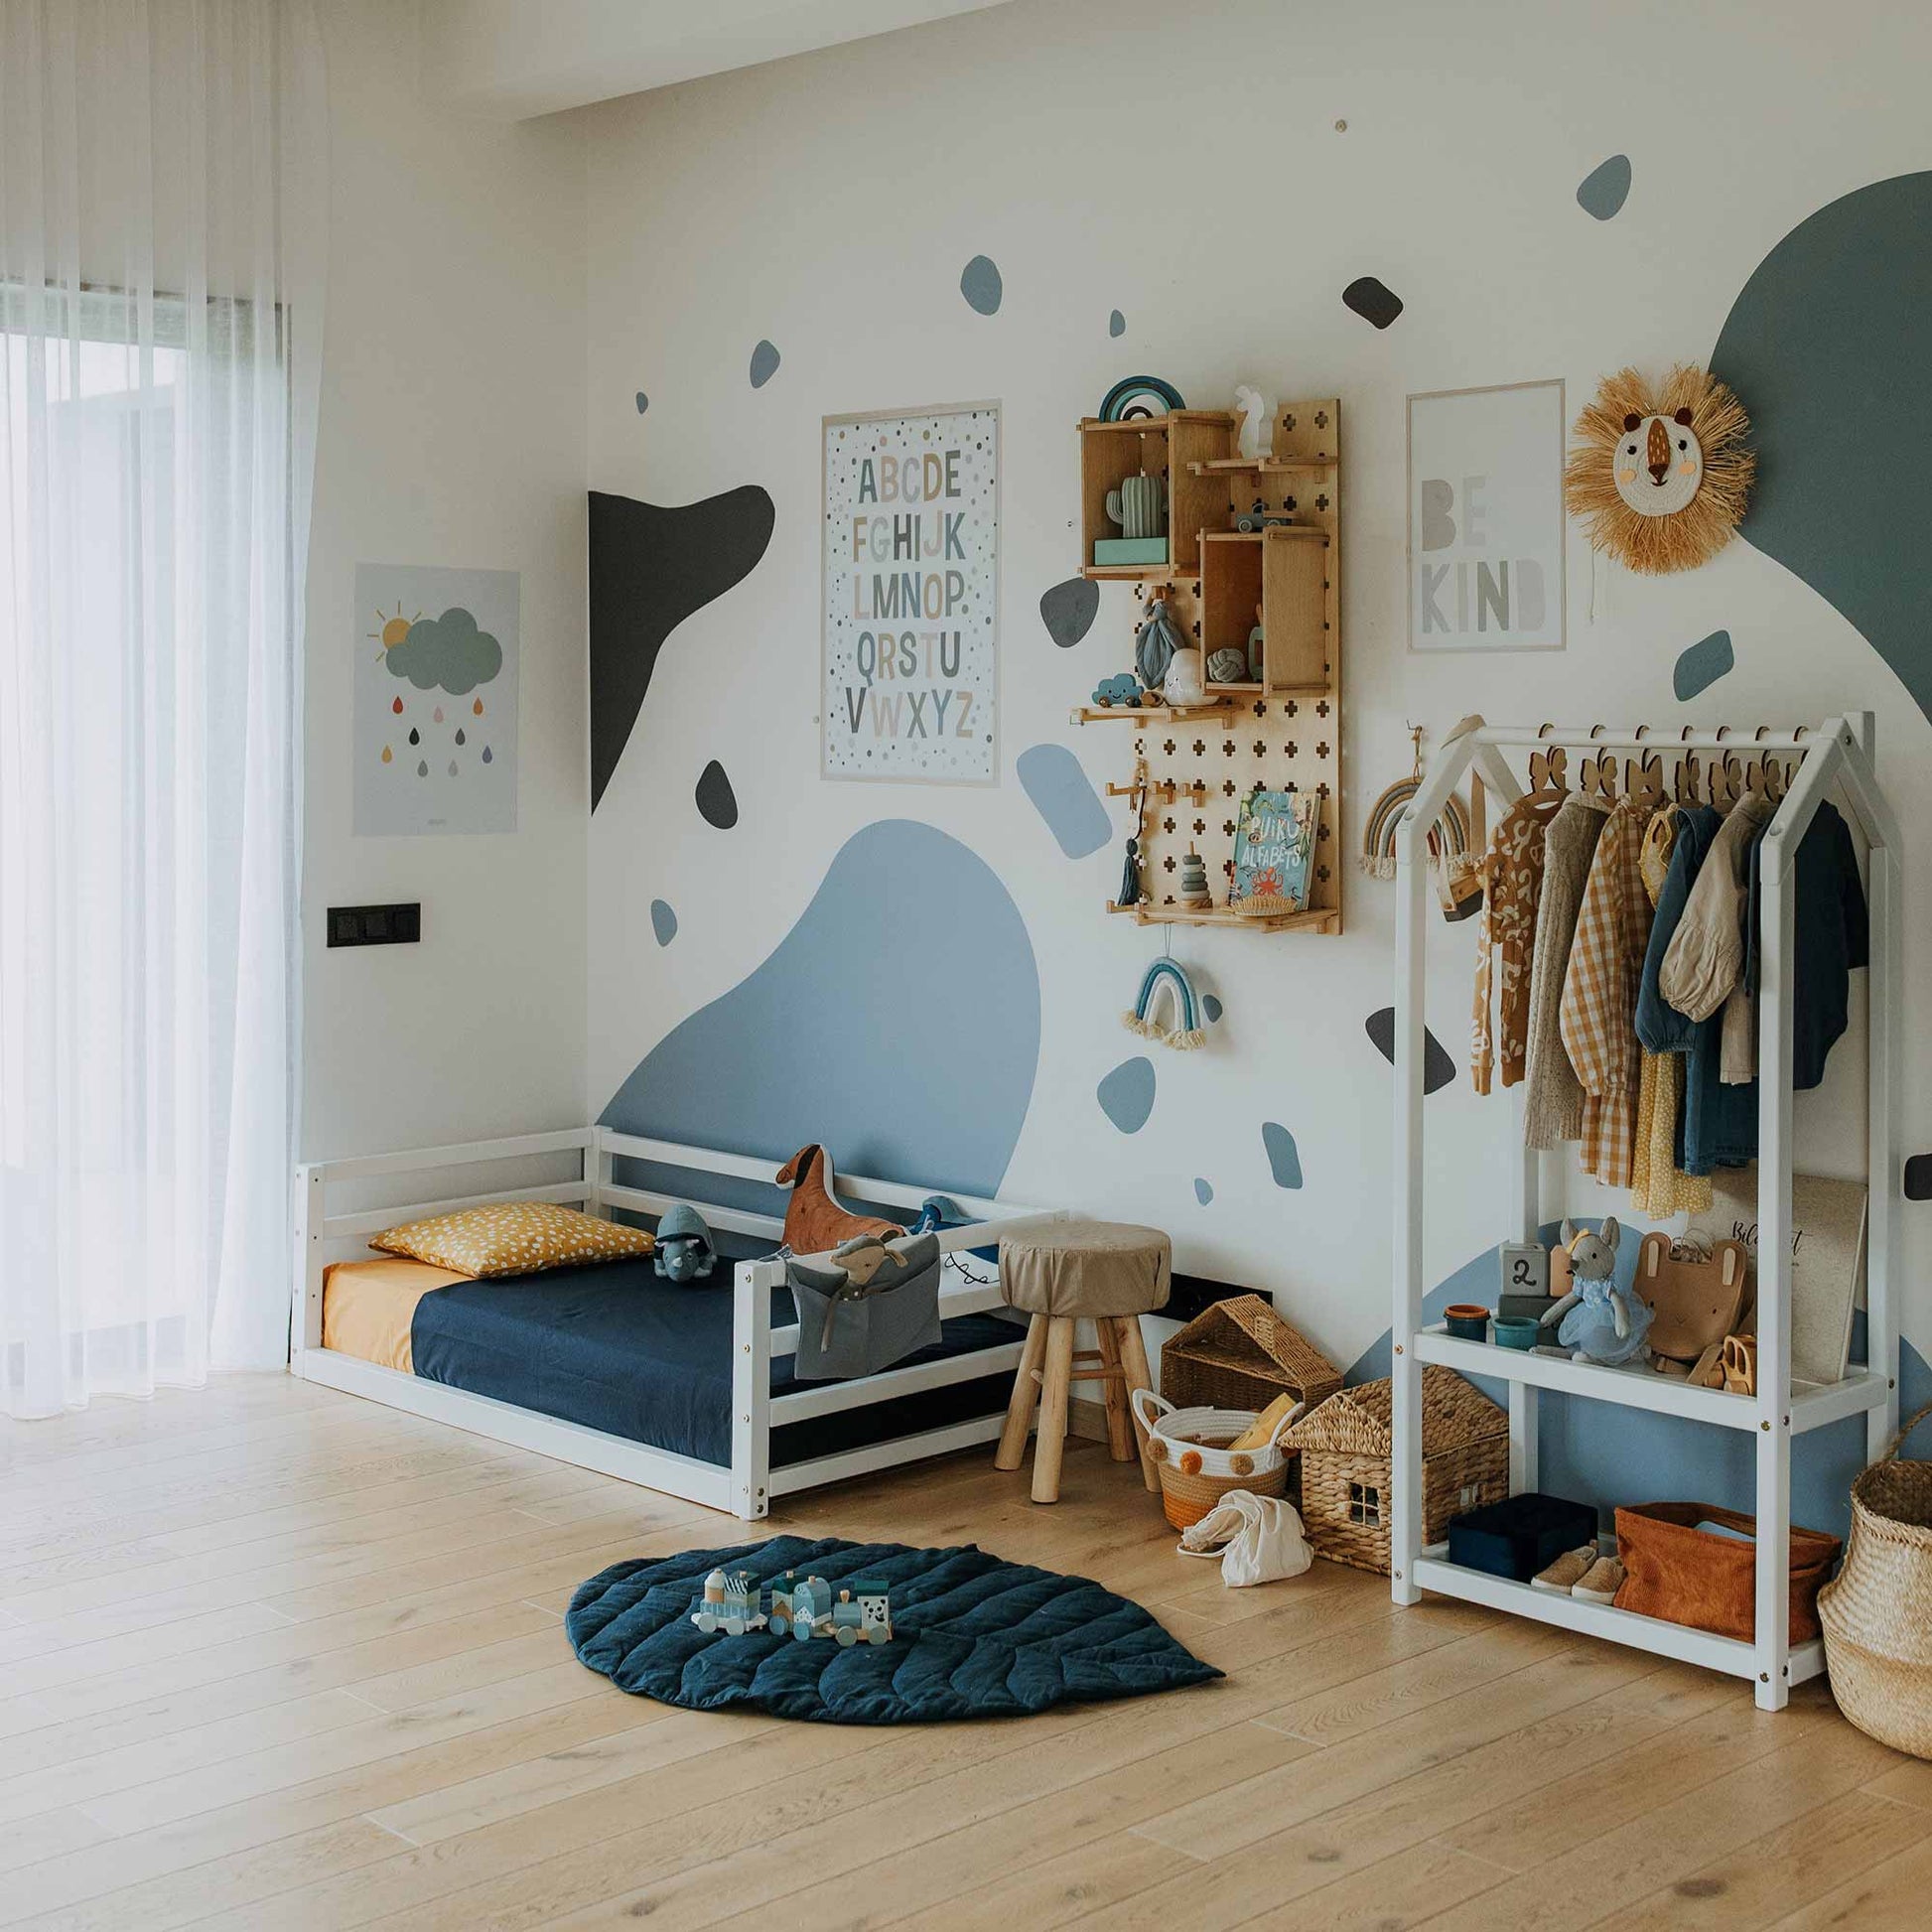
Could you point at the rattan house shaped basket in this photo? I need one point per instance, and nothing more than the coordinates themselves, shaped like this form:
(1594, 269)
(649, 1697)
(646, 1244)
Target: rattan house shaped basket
(1346, 1448)
(1241, 1354)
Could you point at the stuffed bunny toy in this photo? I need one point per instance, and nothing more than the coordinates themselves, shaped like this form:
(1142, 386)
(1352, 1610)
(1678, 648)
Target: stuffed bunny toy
(1599, 1321)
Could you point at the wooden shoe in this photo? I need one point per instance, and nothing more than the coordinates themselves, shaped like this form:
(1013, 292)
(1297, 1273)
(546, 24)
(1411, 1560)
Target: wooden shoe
(1601, 1584)
(1566, 1572)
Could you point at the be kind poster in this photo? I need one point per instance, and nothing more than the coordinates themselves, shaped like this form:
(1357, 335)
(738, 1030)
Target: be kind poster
(911, 673)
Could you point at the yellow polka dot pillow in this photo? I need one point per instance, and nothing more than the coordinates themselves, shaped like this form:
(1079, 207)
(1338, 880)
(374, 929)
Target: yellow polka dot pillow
(514, 1237)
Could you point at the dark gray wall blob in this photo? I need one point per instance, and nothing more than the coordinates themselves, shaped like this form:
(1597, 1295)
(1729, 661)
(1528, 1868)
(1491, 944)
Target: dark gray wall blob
(1117, 324)
(979, 283)
(1068, 611)
(1437, 1069)
(764, 365)
(1602, 191)
(643, 402)
(1828, 347)
(650, 567)
(1212, 1007)
(1375, 302)
(717, 801)
(867, 1009)
(1126, 1095)
(1701, 666)
(1918, 1178)
(663, 921)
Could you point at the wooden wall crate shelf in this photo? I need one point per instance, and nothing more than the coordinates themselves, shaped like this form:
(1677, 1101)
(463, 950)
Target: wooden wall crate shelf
(1283, 731)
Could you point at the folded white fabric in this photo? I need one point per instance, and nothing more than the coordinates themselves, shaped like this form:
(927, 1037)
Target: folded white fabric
(1263, 1539)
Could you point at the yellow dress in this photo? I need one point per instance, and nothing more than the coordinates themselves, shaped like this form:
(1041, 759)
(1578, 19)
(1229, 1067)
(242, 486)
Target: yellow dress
(1658, 1188)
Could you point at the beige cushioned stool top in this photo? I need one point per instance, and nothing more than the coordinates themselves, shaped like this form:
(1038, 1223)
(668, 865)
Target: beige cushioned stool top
(1086, 1268)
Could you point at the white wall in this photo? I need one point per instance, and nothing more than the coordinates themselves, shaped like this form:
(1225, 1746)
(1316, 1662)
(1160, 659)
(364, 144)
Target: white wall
(452, 432)
(1187, 168)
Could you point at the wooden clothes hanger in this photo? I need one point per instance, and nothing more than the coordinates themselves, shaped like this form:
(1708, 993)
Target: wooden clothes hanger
(1548, 774)
(1598, 775)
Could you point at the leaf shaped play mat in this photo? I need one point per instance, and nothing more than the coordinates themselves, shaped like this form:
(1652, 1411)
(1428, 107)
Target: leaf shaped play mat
(972, 1638)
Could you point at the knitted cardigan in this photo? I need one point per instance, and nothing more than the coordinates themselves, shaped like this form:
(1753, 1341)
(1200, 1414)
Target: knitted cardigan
(1553, 1107)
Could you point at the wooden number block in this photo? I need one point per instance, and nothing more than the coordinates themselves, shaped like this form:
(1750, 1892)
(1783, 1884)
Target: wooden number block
(1525, 1268)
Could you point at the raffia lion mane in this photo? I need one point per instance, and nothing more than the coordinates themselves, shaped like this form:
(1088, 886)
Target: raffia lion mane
(1693, 535)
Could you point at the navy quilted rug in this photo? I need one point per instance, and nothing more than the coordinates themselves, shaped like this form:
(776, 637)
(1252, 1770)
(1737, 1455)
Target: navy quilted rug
(972, 1638)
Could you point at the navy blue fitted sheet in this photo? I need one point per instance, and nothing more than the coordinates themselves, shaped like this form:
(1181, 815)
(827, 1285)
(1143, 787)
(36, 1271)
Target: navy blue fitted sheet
(618, 1348)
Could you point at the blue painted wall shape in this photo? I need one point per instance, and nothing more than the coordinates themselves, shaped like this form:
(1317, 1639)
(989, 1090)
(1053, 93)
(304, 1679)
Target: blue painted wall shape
(898, 1023)
(649, 569)
(1827, 345)
(1064, 795)
(1600, 1452)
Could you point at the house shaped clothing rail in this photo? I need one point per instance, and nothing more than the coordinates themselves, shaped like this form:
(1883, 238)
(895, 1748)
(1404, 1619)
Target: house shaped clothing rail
(1836, 755)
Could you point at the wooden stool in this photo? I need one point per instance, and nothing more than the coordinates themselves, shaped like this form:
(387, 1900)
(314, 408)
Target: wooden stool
(1103, 1272)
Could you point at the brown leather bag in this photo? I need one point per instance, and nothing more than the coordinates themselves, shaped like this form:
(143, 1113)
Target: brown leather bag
(1697, 1304)
(1688, 1576)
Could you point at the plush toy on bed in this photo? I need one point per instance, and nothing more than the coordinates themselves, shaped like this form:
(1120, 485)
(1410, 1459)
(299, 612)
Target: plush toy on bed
(684, 1249)
(1601, 1322)
(814, 1221)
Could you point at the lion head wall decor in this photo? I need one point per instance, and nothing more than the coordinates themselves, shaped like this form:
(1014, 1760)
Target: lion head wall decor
(1660, 479)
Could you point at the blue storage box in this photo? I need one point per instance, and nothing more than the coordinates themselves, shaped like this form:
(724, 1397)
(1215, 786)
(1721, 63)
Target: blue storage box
(1521, 1535)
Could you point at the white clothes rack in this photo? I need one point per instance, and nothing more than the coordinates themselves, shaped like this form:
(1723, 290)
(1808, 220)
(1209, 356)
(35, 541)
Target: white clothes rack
(1835, 755)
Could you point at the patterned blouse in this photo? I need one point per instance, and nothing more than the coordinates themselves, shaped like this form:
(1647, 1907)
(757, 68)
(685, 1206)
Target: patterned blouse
(1512, 883)
(1597, 1013)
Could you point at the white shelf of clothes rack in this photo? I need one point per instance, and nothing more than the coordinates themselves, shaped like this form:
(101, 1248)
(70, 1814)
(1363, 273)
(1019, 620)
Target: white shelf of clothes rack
(1834, 758)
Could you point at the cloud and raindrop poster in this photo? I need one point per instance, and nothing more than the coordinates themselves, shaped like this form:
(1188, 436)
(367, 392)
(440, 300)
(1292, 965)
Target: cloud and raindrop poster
(436, 661)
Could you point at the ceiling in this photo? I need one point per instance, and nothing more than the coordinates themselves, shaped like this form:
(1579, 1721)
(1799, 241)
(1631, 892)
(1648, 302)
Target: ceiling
(513, 60)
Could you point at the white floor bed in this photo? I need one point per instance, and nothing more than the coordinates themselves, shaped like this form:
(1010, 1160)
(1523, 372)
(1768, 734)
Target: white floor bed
(341, 1203)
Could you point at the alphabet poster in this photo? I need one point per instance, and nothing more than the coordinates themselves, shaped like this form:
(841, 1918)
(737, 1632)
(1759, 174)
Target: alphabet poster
(435, 722)
(909, 679)
(1486, 520)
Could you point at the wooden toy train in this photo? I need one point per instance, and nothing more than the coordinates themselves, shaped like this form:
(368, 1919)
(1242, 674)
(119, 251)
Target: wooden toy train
(860, 1613)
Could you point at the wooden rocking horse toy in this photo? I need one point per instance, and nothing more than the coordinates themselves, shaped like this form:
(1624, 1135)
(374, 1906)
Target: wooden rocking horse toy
(815, 1223)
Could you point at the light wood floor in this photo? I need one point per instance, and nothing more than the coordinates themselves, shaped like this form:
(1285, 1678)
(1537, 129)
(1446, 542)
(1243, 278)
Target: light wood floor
(274, 1657)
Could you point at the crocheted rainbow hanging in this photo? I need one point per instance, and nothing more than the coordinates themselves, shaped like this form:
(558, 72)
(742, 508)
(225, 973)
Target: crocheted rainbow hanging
(1378, 838)
(1166, 976)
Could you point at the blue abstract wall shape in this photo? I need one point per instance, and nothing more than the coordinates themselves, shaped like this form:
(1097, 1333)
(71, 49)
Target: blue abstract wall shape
(1437, 1069)
(1126, 1095)
(1283, 1160)
(1702, 665)
(650, 567)
(908, 977)
(643, 402)
(1064, 795)
(764, 365)
(1602, 191)
(1117, 324)
(980, 284)
(1212, 1007)
(663, 921)
(1068, 611)
(1598, 1452)
(1204, 1190)
(1827, 345)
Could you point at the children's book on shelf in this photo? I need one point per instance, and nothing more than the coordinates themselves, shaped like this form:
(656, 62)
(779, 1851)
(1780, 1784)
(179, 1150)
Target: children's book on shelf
(1274, 853)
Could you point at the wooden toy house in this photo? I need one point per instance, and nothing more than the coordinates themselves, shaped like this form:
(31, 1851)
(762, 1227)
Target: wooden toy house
(1241, 1354)
(1346, 1448)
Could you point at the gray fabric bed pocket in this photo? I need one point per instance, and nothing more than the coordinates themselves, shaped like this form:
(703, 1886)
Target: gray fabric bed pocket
(848, 1328)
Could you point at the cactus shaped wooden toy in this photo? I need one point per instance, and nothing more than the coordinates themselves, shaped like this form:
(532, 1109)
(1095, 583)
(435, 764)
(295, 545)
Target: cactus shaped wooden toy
(1140, 508)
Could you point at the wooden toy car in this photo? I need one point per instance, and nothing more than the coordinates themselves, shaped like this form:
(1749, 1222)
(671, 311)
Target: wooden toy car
(1259, 518)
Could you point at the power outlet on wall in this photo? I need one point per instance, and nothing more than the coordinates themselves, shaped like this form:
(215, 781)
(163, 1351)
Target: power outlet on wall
(375, 925)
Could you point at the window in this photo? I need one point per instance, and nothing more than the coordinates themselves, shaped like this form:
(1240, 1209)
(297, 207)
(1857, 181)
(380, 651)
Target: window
(1365, 1505)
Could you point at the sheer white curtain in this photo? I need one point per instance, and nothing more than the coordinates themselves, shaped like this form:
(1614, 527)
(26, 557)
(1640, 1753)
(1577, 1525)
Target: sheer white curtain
(161, 211)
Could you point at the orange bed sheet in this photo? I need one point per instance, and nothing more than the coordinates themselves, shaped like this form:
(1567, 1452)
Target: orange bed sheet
(367, 1307)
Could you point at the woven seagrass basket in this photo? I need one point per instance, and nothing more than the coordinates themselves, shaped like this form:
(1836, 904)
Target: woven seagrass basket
(1877, 1612)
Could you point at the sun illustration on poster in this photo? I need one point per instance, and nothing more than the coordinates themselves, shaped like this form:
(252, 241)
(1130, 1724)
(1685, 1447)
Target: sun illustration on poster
(390, 631)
